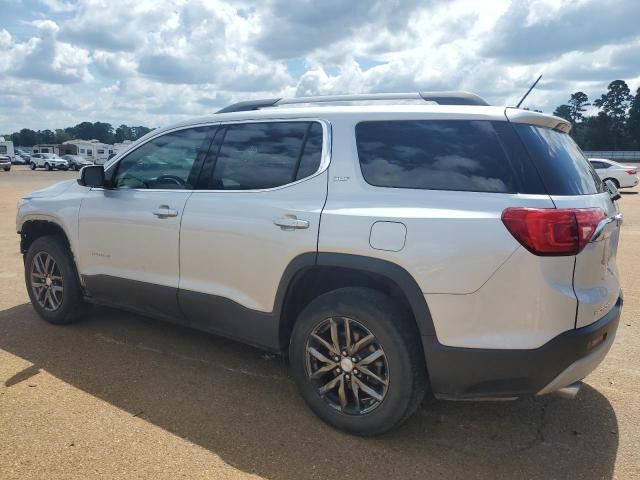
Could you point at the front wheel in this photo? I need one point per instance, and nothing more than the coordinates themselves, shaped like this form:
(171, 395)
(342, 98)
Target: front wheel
(32, 166)
(357, 359)
(6, 169)
(48, 167)
(52, 281)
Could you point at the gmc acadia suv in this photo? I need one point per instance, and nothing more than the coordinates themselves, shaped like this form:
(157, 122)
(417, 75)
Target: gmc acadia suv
(389, 249)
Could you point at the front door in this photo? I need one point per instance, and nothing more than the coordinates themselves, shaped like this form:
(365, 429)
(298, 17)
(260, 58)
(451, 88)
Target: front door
(129, 232)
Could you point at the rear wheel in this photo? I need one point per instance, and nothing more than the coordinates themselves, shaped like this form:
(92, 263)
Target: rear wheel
(48, 167)
(52, 281)
(357, 360)
(615, 182)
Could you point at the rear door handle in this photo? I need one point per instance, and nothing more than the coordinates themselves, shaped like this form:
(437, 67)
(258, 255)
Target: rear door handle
(163, 211)
(291, 222)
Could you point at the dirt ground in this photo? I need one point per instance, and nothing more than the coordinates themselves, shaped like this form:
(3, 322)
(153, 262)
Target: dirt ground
(121, 396)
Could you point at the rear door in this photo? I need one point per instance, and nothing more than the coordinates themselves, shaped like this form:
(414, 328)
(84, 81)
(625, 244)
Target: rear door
(265, 184)
(573, 183)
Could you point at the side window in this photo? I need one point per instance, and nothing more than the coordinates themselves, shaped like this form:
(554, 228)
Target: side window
(162, 163)
(461, 155)
(266, 155)
(598, 165)
(312, 153)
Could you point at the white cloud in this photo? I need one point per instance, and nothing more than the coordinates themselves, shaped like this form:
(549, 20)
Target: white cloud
(155, 61)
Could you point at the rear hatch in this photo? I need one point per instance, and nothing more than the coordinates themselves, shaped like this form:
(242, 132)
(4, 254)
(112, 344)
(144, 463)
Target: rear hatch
(573, 184)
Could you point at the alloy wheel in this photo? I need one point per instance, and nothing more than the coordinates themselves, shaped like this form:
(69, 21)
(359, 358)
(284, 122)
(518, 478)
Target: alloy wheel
(347, 365)
(46, 281)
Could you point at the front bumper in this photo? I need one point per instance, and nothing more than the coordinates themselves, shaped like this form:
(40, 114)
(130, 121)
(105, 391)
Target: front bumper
(469, 373)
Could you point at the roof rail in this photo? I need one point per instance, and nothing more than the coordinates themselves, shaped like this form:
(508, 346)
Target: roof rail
(441, 98)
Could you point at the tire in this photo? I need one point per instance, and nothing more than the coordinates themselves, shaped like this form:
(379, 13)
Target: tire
(71, 306)
(395, 333)
(615, 182)
(32, 166)
(7, 169)
(48, 167)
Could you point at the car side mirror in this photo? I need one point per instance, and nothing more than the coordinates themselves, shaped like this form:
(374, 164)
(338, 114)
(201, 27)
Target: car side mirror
(613, 190)
(92, 176)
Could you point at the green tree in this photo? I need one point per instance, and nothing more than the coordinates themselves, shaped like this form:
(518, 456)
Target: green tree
(123, 133)
(28, 138)
(577, 102)
(46, 136)
(595, 132)
(564, 111)
(61, 136)
(615, 104)
(633, 122)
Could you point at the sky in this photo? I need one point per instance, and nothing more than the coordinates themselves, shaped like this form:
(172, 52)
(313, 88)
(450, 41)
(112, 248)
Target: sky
(154, 62)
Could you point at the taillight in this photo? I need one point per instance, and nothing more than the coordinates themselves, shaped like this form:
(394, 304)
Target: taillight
(552, 231)
(631, 171)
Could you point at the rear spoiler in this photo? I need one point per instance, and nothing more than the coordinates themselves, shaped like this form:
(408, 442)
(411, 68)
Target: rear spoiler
(516, 115)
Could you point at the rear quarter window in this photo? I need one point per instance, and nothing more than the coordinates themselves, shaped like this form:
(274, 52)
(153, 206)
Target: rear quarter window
(562, 166)
(459, 155)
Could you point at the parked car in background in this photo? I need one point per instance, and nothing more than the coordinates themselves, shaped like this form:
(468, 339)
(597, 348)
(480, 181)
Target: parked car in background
(22, 157)
(458, 248)
(623, 176)
(76, 162)
(5, 162)
(18, 160)
(50, 161)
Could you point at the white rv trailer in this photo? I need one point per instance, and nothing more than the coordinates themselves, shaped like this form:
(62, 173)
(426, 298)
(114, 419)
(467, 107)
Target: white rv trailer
(6, 148)
(91, 150)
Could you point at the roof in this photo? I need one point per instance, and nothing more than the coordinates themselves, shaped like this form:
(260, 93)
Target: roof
(453, 105)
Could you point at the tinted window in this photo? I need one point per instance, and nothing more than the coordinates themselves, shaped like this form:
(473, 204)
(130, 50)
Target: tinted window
(3, 149)
(164, 162)
(266, 155)
(562, 165)
(598, 165)
(436, 155)
(312, 154)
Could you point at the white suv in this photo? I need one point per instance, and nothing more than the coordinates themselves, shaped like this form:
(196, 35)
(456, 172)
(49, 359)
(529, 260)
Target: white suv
(48, 161)
(389, 250)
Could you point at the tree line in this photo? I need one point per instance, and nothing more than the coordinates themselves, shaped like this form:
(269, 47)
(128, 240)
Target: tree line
(616, 126)
(103, 132)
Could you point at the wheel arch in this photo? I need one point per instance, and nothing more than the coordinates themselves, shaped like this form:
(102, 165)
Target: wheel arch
(311, 275)
(36, 227)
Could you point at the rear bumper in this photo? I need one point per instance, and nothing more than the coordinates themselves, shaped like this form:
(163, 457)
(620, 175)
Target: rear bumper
(469, 373)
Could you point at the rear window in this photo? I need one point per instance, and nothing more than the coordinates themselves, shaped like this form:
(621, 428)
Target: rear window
(562, 165)
(460, 155)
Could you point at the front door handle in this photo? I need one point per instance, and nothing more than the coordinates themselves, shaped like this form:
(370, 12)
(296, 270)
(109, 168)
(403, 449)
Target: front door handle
(163, 211)
(291, 222)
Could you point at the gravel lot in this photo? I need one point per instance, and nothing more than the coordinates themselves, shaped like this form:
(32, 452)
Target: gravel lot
(121, 396)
